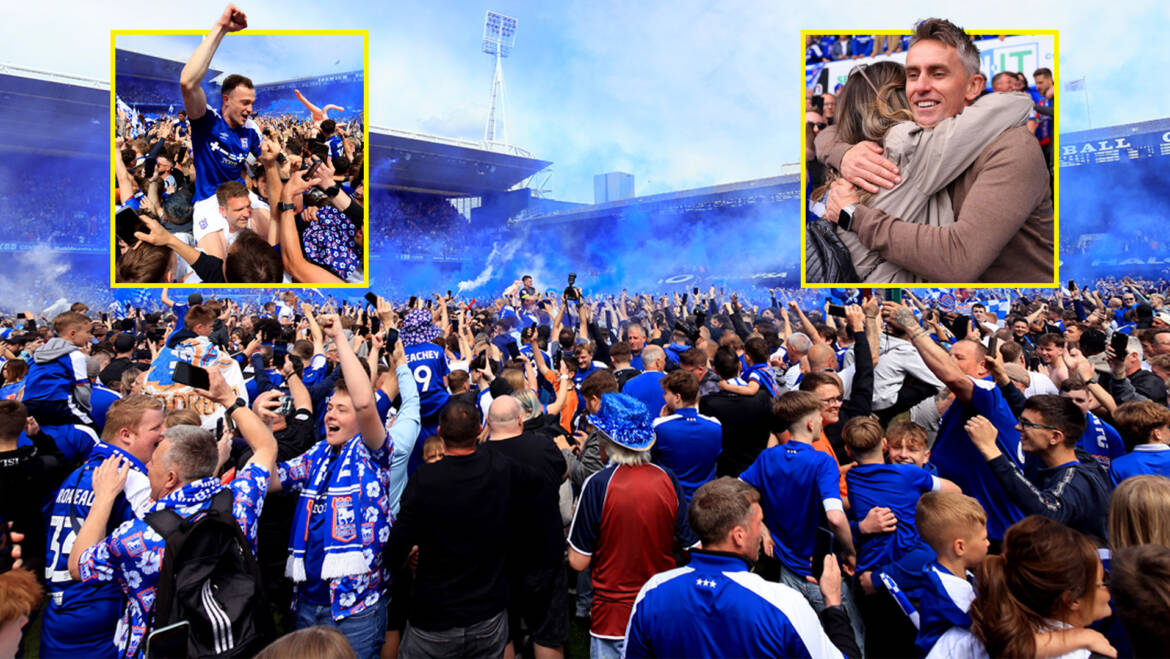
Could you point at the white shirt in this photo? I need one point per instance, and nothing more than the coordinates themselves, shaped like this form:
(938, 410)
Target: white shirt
(1039, 383)
(898, 358)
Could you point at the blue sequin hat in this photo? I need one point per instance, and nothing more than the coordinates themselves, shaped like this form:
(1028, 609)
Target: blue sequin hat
(625, 421)
(418, 328)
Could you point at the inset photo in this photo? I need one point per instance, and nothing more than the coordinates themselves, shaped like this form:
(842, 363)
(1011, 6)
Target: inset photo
(928, 158)
(239, 156)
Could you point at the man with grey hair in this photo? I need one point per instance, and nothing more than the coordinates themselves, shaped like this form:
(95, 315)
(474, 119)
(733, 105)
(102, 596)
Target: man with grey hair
(539, 580)
(627, 520)
(1128, 381)
(796, 347)
(182, 479)
(647, 387)
(1003, 229)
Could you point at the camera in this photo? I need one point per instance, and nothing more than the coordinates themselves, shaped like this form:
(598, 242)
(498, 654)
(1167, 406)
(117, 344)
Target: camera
(572, 294)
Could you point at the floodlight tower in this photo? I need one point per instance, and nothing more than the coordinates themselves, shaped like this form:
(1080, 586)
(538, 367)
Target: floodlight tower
(499, 35)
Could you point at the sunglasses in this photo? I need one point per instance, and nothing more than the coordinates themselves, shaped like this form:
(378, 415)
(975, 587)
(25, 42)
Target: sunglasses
(820, 125)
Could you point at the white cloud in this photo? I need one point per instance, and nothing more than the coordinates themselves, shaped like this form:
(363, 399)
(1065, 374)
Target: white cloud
(679, 93)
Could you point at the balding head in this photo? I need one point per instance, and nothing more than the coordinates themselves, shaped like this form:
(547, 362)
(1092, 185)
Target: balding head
(504, 418)
(653, 358)
(821, 358)
(1018, 375)
(798, 345)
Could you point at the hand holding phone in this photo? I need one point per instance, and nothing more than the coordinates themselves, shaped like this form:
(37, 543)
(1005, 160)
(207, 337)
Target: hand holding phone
(192, 376)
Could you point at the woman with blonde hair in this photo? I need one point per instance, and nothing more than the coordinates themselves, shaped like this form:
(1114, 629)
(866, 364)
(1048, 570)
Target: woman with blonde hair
(873, 107)
(1139, 512)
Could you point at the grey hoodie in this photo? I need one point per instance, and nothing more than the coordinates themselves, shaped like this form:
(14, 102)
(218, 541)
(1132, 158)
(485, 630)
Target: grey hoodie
(54, 349)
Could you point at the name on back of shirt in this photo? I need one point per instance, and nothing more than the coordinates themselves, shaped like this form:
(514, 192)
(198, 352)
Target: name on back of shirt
(75, 497)
(423, 356)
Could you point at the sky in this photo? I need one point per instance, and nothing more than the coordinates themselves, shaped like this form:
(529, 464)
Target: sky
(264, 58)
(681, 94)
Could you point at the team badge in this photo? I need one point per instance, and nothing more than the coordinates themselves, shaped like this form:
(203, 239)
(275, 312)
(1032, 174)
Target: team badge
(344, 522)
(134, 544)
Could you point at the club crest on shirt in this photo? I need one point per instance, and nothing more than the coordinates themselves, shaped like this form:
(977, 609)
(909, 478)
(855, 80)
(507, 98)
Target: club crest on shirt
(146, 598)
(134, 544)
(344, 521)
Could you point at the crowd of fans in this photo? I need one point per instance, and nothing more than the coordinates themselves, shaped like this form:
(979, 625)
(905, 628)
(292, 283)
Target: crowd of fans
(138, 90)
(226, 195)
(418, 224)
(836, 47)
(59, 215)
(344, 91)
(959, 474)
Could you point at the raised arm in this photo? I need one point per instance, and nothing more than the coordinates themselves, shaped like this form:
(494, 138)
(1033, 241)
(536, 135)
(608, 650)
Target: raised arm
(944, 367)
(254, 431)
(232, 20)
(360, 391)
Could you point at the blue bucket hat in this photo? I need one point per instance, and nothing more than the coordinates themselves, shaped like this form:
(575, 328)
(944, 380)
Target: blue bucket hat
(625, 421)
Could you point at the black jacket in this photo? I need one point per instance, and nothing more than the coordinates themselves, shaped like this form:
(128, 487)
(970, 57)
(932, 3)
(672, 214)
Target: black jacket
(1076, 494)
(747, 425)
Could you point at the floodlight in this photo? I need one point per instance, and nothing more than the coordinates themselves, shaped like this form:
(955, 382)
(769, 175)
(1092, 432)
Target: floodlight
(499, 34)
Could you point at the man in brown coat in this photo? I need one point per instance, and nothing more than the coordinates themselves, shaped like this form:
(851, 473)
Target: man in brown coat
(1003, 230)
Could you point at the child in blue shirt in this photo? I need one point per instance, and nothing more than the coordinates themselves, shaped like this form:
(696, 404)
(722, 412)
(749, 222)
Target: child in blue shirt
(954, 525)
(57, 389)
(875, 484)
(1146, 424)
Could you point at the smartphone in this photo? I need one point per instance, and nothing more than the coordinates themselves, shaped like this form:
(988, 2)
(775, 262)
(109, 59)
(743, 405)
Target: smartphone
(866, 293)
(218, 428)
(312, 170)
(895, 295)
(192, 376)
(372, 299)
(449, 293)
(286, 406)
(1120, 343)
(993, 346)
(391, 338)
(413, 299)
(126, 222)
(824, 544)
(513, 350)
(1072, 286)
(837, 310)
(694, 290)
(170, 641)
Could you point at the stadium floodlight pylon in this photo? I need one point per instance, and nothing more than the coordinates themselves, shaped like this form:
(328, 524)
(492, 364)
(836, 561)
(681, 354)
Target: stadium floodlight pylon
(499, 36)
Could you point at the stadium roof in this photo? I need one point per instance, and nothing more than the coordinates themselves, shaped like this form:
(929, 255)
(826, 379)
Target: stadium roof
(452, 168)
(728, 195)
(77, 112)
(128, 62)
(1113, 132)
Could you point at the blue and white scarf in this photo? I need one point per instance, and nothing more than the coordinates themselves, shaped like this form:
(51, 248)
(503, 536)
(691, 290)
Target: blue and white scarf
(345, 501)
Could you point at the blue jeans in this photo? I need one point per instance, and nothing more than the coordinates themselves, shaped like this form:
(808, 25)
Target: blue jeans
(812, 593)
(606, 648)
(366, 632)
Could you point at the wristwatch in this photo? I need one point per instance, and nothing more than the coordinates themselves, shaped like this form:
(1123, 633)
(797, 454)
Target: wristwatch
(332, 191)
(845, 217)
(240, 402)
(284, 207)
